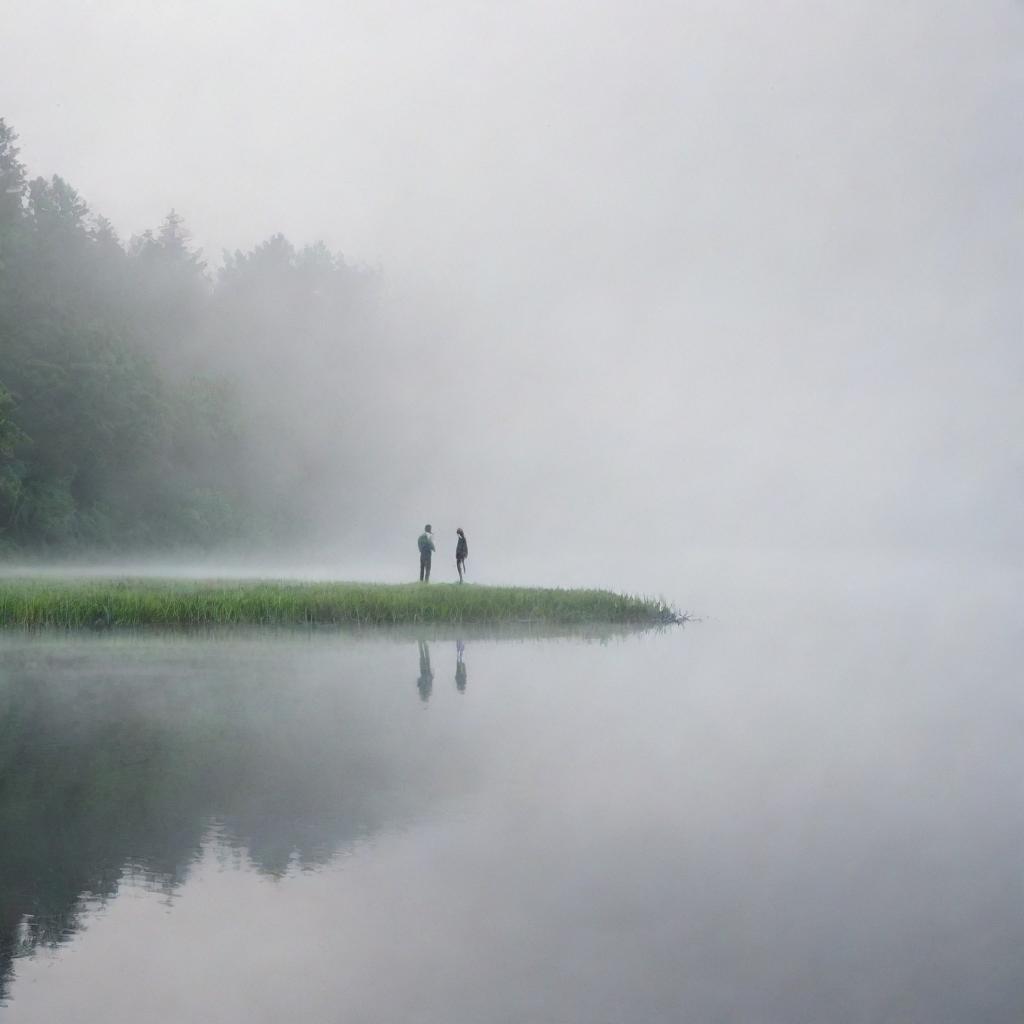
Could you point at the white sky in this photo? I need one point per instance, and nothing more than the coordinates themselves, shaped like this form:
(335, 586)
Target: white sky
(744, 271)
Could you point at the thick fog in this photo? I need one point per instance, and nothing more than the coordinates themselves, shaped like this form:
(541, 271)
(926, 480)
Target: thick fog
(641, 280)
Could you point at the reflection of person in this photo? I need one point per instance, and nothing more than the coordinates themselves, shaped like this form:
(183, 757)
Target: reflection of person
(426, 545)
(461, 553)
(425, 683)
(460, 667)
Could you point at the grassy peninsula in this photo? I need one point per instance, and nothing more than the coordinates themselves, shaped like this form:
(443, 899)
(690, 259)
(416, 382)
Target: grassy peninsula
(95, 603)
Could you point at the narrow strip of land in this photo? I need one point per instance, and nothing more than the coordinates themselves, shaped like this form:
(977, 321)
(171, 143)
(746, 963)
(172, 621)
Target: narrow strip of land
(160, 602)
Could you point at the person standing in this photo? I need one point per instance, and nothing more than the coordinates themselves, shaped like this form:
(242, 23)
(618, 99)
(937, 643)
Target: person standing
(461, 553)
(426, 544)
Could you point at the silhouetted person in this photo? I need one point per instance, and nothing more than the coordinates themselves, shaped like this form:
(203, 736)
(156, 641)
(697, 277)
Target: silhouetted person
(425, 683)
(461, 553)
(426, 543)
(460, 667)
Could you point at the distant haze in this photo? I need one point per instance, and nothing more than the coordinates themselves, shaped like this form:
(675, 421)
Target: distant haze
(656, 278)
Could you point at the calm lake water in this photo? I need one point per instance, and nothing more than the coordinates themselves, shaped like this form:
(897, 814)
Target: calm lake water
(806, 808)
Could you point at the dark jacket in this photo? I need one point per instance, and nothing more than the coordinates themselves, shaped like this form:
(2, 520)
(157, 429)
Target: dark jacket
(461, 549)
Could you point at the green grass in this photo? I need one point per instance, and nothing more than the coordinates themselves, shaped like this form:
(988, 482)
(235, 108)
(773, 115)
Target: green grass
(153, 602)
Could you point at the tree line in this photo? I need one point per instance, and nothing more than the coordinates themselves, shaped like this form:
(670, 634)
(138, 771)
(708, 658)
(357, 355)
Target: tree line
(147, 401)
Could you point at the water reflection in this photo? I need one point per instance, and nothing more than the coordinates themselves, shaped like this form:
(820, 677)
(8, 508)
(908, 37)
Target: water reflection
(108, 764)
(751, 822)
(425, 682)
(460, 666)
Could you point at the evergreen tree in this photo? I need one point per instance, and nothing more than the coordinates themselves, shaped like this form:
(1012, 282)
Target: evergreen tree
(143, 402)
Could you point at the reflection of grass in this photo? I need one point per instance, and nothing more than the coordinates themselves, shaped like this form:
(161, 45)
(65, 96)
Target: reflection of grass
(142, 602)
